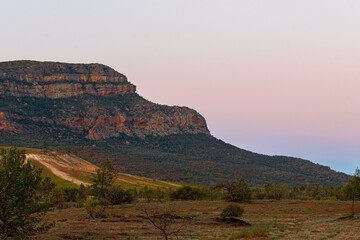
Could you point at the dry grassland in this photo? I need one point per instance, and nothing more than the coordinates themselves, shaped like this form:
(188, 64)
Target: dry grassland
(269, 220)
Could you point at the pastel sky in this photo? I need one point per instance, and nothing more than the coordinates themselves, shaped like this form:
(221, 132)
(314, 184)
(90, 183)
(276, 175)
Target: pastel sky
(276, 77)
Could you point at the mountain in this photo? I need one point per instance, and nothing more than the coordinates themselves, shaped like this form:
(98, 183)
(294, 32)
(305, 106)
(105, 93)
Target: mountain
(88, 99)
(94, 112)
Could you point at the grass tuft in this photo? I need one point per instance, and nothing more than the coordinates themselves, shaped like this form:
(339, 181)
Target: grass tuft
(252, 232)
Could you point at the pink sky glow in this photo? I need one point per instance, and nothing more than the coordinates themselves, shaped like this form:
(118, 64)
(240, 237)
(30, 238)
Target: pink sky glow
(276, 77)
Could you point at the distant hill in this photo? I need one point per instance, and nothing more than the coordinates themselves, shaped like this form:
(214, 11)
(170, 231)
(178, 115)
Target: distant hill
(95, 112)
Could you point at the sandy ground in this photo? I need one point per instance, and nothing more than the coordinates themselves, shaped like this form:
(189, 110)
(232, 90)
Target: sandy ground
(55, 169)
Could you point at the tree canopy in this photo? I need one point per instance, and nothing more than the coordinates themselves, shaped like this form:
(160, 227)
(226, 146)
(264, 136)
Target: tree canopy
(352, 189)
(105, 176)
(20, 205)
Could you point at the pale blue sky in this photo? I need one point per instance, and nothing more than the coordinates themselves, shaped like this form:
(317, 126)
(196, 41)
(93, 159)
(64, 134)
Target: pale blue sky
(276, 77)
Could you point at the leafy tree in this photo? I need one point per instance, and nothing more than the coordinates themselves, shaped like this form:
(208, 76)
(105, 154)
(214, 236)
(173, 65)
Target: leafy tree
(352, 189)
(337, 192)
(295, 193)
(258, 193)
(20, 205)
(241, 192)
(105, 177)
(236, 190)
(274, 192)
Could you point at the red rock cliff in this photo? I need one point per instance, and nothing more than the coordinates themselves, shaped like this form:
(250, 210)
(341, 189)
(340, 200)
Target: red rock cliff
(60, 80)
(92, 100)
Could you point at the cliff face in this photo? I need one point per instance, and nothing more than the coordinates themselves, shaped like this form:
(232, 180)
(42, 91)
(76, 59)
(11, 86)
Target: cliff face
(59, 80)
(92, 100)
(148, 119)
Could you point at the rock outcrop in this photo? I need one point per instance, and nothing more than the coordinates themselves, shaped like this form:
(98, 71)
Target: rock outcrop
(59, 80)
(92, 100)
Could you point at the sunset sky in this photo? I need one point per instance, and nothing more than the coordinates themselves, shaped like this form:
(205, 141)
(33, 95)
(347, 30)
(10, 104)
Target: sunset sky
(277, 77)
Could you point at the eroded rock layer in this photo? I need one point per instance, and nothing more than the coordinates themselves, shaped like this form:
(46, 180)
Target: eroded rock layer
(60, 80)
(92, 100)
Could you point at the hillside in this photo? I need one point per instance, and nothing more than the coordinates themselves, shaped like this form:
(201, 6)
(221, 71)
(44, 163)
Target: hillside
(70, 168)
(94, 112)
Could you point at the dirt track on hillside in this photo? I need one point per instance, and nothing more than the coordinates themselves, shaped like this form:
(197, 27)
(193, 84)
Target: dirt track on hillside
(69, 167)
(56, 171)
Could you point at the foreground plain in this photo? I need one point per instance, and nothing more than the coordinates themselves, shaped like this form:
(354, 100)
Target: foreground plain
(285, 219)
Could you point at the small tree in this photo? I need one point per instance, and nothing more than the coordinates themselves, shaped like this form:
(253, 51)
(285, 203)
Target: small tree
(46, 186)
(105, 176)
(164, 220)
(241, 192)
(274, 192)
(20, 205)
(352, 189)
(236, 190)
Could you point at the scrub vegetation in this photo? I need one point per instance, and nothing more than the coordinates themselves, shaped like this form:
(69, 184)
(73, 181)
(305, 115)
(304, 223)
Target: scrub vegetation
(105, 210)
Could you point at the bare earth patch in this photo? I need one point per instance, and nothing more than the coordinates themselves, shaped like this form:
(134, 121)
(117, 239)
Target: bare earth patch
(74, 169)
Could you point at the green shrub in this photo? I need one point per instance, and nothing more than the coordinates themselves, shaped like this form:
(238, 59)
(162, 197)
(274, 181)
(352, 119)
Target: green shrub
(258, 193)
(21, 205)
(115, 195)
(148, 193)
(188, 193)
(57, 198)
(81, 196)
(232, 211)
(61, 197)
(151, 194)
(94, 209)
(254, 232)
(46, 186)
(275, 192)
(71, 194)
(241, 192)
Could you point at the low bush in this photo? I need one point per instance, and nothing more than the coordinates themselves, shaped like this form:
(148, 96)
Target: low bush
(71, 194)
(254, 232)
(188, 193)
(232, 211)
(61, 196)
(151, 194)
(115, 195)
(94, 209)
(241, 192)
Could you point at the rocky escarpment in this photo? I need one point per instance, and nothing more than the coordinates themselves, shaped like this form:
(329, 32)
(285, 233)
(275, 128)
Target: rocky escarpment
(59, 80)
(95, 112)
(147, 119)
(89, 100)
